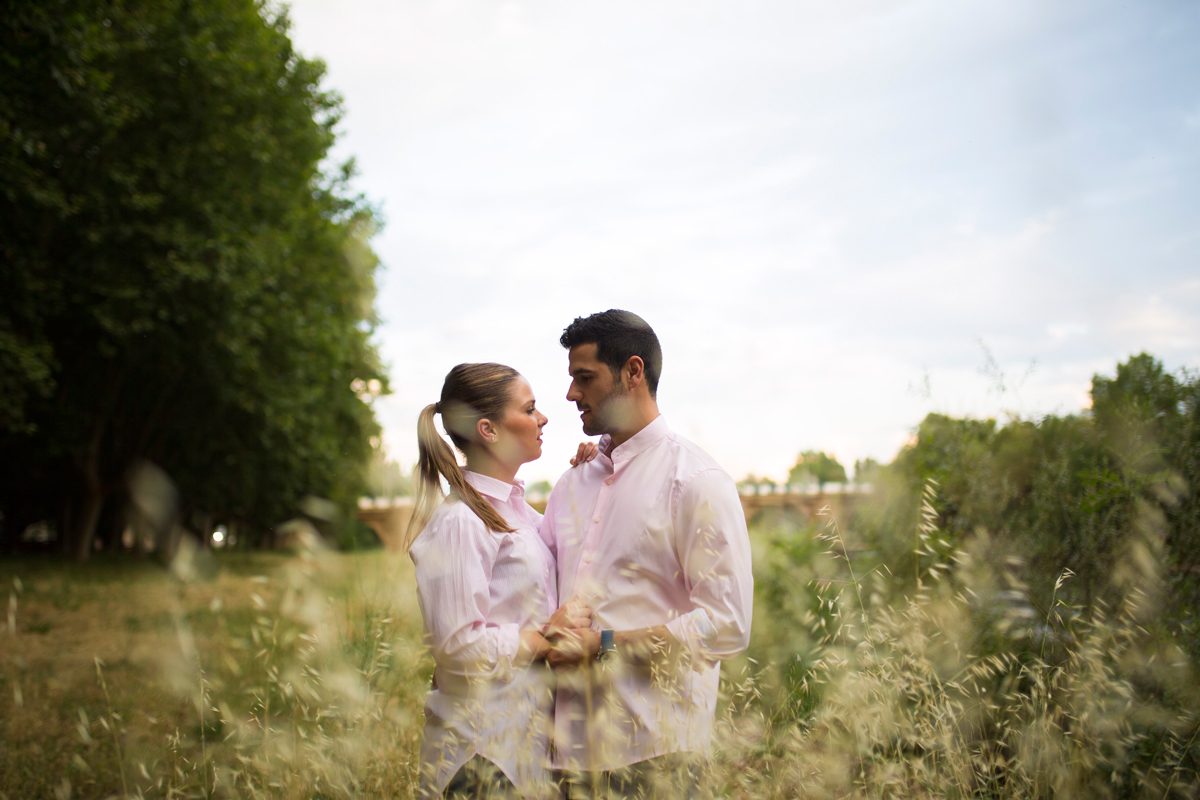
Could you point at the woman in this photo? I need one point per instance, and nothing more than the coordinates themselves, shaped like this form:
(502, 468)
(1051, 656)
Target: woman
(486, 584)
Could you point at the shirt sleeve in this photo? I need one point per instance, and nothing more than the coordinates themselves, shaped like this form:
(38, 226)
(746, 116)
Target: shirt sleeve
(713, 547)
(454, 571)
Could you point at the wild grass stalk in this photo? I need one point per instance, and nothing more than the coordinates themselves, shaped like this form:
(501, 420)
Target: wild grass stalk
(953, 685)
(111, 722)
(304, 676)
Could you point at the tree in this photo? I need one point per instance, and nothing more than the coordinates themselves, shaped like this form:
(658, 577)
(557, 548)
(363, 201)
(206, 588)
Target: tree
(386, 478)
(539, 489)
(866, 470)
(1139, 411)
(1149, 421)
(1071, 492)
(187, 286)
(753, 484)
(816, 466)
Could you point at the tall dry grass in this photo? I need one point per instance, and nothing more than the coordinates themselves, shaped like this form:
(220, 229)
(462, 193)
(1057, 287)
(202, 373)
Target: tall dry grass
(269, 677)
(303, 676)
(958, 685)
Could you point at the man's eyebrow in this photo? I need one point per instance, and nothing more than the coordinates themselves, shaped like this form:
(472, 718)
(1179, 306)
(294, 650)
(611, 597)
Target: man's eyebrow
(580, 371)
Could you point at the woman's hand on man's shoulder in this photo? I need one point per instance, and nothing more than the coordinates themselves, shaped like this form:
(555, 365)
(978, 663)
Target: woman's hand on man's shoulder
(585, 453)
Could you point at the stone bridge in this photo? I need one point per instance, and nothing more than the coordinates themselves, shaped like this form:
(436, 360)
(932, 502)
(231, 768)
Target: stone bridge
(389, 517)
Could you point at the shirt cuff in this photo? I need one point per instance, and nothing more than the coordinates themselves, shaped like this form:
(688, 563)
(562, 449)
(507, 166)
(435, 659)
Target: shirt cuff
(692, 630)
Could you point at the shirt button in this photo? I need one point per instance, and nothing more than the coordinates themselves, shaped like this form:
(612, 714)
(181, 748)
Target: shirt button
(608, 482)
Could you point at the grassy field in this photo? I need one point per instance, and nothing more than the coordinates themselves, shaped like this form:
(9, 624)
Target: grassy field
(238, 675)
(303, 676)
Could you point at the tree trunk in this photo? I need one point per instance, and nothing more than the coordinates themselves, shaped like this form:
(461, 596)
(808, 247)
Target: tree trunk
(204, 528)
(84, 523)
(113, 521)
(82, 533)
(64, 525)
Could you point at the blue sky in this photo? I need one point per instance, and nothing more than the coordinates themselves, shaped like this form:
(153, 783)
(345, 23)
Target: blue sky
(837, 216)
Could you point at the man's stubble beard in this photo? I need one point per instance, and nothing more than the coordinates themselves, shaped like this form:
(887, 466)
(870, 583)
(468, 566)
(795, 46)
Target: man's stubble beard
(614, 414)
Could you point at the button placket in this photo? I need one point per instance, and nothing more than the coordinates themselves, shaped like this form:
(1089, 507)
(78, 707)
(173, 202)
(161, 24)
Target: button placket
(591, 538)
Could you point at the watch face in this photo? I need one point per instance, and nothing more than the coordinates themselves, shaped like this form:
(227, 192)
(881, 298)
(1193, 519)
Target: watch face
(607, 644)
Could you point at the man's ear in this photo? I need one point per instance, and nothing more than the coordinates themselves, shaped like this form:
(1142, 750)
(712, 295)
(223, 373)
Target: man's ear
(635, 371)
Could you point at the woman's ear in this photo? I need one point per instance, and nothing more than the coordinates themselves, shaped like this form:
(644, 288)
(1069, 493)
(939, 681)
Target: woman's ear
(485, 430)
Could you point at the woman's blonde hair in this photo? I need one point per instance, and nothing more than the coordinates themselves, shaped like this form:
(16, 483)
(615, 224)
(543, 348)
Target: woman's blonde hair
(471, 392)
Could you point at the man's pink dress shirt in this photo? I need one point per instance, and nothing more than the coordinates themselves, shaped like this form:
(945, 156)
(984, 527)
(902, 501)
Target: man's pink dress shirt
(478, 589)
(652, 533)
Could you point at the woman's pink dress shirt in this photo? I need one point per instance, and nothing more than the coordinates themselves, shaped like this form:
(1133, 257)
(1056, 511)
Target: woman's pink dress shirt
(478, 589)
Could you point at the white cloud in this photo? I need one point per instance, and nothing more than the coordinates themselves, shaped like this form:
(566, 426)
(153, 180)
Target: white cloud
(1058, 331)
(817, 205)
(1158, 325)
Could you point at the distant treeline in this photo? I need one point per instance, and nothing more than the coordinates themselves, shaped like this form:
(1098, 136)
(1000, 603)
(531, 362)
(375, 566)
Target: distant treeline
(1009, 613)
(1110, 494)
(186, 282)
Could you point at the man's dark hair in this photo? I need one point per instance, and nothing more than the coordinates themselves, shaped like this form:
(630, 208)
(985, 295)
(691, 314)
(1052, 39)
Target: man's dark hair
(618, 335)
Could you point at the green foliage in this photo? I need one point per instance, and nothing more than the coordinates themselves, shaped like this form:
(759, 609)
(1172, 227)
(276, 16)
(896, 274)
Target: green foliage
(1067, 492)
(787, 589)
(753, 484)
(187, 286)
(816, 466)
(866, 470)
(1011, 612)
(955, 679)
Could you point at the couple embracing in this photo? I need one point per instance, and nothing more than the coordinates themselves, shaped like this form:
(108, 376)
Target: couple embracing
(577, 653)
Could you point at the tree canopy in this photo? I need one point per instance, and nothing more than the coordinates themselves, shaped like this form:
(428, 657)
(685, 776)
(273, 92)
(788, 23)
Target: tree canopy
(820, 467)
(187, 282)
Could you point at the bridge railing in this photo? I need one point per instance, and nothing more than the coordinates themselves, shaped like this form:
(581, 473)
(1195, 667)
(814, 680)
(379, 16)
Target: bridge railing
(389, 517)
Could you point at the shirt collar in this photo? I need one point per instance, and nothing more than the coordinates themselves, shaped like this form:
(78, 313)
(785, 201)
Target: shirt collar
(643, 440)
(493, 488)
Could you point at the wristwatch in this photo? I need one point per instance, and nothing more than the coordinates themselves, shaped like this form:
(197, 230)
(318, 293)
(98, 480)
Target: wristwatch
(607, 644)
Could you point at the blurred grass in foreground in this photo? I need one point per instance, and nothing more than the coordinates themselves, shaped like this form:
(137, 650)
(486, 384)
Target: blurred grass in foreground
(247, 675)
(304, 675)
(954, 681)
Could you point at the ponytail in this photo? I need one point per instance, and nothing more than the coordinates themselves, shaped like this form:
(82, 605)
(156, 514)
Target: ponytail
(436, 460)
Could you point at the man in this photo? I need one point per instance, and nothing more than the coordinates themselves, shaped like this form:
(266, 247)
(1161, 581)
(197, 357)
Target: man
(652, 537)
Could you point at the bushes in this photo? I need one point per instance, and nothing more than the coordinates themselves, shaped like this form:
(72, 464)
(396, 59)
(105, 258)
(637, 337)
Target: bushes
(956, 680)
(1012, 615)
(1065, 492)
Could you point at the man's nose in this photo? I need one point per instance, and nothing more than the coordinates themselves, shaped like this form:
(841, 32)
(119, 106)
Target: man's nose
(573, 394)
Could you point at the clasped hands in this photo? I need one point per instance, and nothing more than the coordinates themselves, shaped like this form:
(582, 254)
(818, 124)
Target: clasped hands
(566, 639)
